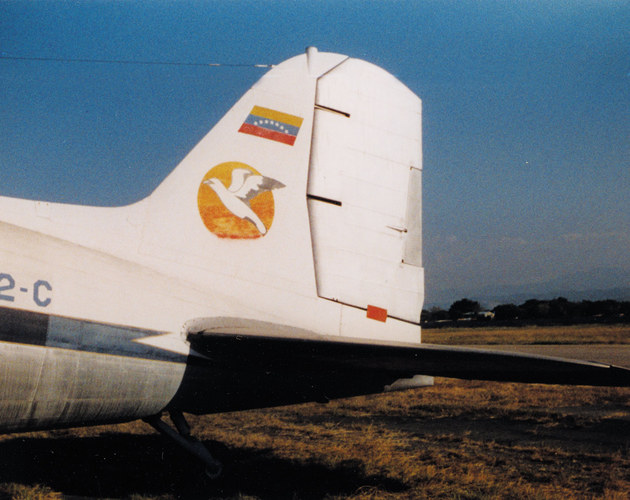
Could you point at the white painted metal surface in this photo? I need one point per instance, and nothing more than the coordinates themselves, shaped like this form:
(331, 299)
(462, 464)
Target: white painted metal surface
(364, 187)
(269, 278)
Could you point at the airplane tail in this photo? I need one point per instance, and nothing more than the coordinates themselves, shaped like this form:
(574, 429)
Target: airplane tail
(312, 181)
(302, 205)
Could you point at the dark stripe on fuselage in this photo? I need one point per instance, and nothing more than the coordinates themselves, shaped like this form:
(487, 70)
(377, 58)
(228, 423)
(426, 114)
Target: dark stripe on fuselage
(23, 326)
(33, 328)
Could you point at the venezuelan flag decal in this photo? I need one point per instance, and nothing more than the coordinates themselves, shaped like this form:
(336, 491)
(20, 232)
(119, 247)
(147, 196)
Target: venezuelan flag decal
(270, 124)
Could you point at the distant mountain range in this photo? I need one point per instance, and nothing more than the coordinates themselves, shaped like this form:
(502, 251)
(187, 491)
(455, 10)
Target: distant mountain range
(595, 284)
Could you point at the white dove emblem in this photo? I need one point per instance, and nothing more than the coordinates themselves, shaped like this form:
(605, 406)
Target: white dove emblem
(245, 186)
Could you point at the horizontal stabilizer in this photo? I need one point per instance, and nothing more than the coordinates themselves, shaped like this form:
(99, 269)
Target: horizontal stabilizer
(265, 346)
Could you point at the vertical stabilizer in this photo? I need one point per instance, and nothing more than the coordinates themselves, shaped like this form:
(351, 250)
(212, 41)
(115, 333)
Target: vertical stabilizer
(236, 204)
(334, 144)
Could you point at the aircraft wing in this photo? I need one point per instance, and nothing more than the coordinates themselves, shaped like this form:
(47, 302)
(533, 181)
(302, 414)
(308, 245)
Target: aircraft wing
(297, 365)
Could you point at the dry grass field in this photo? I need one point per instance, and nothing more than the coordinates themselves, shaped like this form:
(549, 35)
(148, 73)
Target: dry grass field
(569, 334)
(458, 439)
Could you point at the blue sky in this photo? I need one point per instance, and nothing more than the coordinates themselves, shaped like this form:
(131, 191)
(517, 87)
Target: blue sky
(526, 112)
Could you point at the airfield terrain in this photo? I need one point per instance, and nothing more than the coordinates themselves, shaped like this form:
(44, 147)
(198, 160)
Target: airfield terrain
(457, 439)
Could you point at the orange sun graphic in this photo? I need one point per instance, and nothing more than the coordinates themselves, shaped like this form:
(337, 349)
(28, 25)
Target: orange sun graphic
(226, 214)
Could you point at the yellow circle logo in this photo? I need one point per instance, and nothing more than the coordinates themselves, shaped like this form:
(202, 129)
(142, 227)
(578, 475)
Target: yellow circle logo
(235, 201)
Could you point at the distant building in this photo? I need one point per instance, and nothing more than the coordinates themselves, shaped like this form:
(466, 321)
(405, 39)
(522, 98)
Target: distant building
(485, 315)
